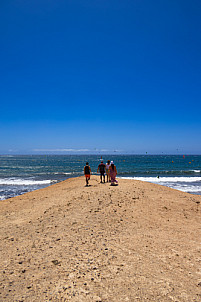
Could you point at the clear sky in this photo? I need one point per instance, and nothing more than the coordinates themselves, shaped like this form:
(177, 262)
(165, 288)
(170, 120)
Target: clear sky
(97, 75)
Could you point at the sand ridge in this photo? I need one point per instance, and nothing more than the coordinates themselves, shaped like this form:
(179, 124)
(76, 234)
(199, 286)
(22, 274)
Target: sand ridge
(133, 242)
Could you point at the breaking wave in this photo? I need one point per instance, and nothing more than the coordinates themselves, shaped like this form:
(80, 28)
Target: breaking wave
(24, 182)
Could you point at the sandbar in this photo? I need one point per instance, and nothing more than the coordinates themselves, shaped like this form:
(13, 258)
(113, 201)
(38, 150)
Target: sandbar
(133, 242)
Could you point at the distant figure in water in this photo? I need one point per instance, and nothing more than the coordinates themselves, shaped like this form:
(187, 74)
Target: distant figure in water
(87, 173)
(107, 170)
(113, 173)
(101, 169)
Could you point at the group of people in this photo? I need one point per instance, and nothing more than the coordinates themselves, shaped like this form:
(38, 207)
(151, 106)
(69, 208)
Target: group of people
(109, 169)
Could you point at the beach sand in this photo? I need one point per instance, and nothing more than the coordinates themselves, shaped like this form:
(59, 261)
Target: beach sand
(133, 242)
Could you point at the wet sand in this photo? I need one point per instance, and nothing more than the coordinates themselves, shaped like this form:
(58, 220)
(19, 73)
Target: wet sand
(133, 242)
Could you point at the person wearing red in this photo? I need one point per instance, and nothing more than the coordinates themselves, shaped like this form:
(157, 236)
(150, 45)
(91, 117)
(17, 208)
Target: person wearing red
(87, 173)
(113, 173)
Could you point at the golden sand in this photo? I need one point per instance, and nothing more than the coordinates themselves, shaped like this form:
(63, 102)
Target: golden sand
(133, 242)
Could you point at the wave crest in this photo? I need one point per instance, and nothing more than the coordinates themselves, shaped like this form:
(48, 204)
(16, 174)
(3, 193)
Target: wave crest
(24, 182)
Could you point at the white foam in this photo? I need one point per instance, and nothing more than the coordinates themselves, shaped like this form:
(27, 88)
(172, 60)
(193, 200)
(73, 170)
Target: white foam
(166, 179)
(185, 188)
(185, 184)
(61, 173)
(24, 182)
(2, 197)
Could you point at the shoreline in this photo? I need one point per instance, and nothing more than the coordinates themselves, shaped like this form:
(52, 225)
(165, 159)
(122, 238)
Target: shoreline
(178, 183)
(137, 240)
(21, 174)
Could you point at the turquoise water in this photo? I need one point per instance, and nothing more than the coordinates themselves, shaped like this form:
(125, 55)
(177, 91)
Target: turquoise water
(20, 174)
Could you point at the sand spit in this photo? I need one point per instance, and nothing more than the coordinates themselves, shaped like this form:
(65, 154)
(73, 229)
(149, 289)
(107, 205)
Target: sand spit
(134, 242)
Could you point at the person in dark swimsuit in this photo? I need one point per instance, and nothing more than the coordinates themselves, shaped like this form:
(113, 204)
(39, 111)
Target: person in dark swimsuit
(87, 173)
(101, 169)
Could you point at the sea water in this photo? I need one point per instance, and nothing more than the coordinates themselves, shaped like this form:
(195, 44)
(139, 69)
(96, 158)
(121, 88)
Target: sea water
(21, 174)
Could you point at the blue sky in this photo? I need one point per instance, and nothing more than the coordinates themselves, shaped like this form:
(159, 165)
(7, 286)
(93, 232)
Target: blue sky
(100, 75)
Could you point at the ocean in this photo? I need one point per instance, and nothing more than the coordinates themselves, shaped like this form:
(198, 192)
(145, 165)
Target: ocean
(20, 174)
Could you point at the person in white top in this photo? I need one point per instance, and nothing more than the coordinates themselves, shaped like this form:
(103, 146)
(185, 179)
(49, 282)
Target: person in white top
(107, 171)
